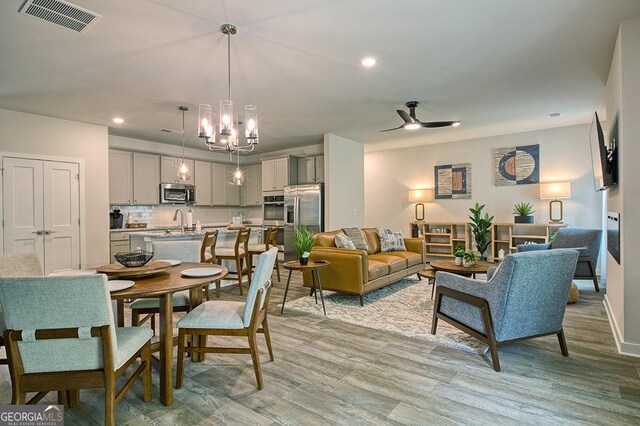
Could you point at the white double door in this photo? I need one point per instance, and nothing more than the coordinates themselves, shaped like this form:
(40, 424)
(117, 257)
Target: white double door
(41, 203)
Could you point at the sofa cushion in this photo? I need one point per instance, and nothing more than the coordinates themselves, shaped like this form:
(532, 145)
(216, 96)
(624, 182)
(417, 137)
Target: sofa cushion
(412, 258)
(377, 269)
(342, 241)
(326, 239)
(357, 237)
(390, 240)
(372, 240)
(395, 263)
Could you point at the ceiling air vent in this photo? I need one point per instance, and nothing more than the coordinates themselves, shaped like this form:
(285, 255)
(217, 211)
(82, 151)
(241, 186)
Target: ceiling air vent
(60, 13)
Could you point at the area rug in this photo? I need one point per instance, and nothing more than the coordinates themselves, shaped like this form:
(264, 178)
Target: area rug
(403, 308)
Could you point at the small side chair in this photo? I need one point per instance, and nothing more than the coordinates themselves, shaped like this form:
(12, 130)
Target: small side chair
(226, 318)
(239, 254)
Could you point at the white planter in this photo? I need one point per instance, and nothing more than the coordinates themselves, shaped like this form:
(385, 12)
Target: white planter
(467, 263)
(458, 261)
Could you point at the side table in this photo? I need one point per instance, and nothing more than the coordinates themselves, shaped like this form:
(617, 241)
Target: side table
(314, 268)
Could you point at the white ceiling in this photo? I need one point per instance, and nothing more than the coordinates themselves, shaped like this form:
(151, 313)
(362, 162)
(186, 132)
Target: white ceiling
(498, 65)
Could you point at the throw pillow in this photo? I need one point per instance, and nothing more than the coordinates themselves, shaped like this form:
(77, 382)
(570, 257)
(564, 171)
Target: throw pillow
(390, 240)
(357, 237)
(342, 241)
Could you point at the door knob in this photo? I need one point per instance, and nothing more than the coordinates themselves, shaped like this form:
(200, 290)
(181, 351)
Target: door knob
(38, 232)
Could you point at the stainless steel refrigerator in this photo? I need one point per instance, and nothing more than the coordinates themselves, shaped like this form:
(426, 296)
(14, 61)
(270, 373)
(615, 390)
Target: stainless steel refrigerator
(303, 205)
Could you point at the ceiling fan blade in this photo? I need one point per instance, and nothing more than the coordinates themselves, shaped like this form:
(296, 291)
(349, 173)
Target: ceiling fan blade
(395, 128)
(164, 129)
(434, 124)
(405, 116)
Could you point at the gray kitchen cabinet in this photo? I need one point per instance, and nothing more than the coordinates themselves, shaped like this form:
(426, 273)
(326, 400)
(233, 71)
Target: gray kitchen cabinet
(311, 169)
(169, 170)
(118, 242)
(225, 193)
(204, 183)
(252, 188)
(146, 172)
(278, 173)
(120, 177)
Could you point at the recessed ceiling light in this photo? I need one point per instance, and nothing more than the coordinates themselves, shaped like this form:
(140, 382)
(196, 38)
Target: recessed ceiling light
(369, 61)
(555, 115)
(118, 120)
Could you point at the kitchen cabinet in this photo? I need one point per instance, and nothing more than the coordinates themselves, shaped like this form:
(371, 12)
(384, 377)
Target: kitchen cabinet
(146, 172)
(133, 178)
(225, 193)
(204, 183)
(252, 187)
(118, 242)
(311, 169)
(120, 178)
(169, 170)
(278, 173)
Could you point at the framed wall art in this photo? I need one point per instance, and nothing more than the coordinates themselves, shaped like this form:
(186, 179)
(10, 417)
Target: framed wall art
(516, 165)
(452, 181)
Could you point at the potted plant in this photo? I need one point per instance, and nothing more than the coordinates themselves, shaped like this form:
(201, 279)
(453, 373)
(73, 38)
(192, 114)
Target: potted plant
(469, 258)
(481, 228)
(523, 212)
(303, 242)
(458, 252)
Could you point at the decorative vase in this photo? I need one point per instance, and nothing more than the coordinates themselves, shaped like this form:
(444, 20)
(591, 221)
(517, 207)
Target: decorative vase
(467, 263)
(458, 261)
(523, 219)
(303, 260)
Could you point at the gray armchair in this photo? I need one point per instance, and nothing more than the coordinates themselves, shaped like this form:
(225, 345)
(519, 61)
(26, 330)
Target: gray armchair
(525, 297)
(586, 241)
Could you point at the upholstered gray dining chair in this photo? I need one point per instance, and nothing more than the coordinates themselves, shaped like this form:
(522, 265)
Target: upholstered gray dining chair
(61, 336)
(227, 318)
(185, 251)
(586, 241)
(525, 297)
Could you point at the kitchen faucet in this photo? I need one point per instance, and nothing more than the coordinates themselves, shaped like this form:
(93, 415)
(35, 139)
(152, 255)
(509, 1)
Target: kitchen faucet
(175, 219)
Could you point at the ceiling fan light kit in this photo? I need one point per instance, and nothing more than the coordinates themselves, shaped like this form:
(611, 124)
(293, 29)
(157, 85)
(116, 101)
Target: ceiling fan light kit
(411, 122)
(228, 138)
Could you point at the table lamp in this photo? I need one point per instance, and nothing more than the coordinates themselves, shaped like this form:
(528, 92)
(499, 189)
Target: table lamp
(420, 196)
(554, 191)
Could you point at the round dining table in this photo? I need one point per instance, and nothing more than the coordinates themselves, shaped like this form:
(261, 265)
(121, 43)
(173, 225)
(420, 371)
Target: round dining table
(163, 285)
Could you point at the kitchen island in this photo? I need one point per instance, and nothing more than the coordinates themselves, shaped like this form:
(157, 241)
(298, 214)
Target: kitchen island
(144, 240)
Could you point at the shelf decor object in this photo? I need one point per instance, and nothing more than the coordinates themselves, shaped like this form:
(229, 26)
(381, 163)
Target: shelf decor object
(227, 130)
(555, 191)
(518, 165)
(420, 196)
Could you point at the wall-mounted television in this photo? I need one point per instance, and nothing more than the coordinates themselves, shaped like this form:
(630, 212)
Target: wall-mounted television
(603, 155)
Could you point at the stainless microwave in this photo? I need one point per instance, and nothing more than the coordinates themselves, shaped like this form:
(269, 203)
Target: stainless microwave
(177, 193)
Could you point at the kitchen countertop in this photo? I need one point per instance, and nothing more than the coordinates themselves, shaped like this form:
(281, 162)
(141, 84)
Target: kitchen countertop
(164, 228)
(179, 235)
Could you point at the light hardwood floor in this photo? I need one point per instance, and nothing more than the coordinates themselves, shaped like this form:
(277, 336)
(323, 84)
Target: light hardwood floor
(328, 372)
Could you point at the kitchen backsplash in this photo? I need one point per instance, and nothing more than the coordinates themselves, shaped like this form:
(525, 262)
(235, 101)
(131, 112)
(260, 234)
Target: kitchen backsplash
(163, 215)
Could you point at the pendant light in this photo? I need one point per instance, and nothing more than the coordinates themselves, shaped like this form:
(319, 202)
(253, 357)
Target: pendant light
(238, 173)
(184, 174)
(228, 137)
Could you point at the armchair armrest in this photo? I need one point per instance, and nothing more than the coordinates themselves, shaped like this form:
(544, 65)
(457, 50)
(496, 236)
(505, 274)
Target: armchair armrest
(533, 247)
(348, 271)
(415, 245)
(490, 271)
(477, 288)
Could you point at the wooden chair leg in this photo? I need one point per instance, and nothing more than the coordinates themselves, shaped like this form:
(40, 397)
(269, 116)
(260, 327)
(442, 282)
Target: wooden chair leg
(255, 357)
(563, 343)
(218, 289)
(145, 356)
(278, 269)
(593, 274)
(488, 327)
(239, 271)
(135, 318)
(419, 277)
(267, 337)
(249, 273)
(153, 323)
(207, 294)
(362, 300)
(110, 399)
(182, 341)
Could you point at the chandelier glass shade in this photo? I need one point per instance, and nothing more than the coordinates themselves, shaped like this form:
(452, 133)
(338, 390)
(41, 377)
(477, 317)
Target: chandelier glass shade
(184, 174)
(225, 136)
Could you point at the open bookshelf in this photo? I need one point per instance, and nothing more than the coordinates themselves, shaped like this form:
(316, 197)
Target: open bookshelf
(440, 238)
(507, 236)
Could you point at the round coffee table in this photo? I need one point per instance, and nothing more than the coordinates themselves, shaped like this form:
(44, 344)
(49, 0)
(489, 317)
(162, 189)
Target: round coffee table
(314, 268)
(446, 265)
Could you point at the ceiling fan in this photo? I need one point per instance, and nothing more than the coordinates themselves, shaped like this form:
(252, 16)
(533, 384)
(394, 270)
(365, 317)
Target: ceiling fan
(411, 122)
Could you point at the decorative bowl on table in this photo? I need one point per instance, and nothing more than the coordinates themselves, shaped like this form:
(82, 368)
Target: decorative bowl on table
(132, 259)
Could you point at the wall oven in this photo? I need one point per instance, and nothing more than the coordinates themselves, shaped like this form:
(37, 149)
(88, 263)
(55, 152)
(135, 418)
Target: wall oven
(177, 193)
(273, 214)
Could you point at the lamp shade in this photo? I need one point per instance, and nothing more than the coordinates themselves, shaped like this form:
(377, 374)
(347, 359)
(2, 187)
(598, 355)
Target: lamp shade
(420, 195)
(555, 190)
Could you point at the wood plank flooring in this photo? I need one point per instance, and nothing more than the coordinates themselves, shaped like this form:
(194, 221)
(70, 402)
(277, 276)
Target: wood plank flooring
(328, 372)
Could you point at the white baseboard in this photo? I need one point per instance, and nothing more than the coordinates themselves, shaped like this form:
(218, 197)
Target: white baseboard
(624, 348)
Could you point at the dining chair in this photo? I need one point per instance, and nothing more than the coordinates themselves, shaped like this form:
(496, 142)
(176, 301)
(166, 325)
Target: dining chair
(239, 253)
(185, 251)
(208, 255)
(17, 265)
(227, 318)
(61, 336)
(270, 240)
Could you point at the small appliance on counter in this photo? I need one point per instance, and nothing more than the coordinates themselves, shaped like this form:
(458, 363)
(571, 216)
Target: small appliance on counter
(115, 218)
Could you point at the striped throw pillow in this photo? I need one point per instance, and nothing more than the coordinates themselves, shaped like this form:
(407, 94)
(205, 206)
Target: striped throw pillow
(390, 240)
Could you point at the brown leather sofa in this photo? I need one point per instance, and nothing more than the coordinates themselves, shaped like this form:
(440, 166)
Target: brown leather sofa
(359, 271)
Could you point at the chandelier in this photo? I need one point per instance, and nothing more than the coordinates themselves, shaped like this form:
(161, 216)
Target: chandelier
(225, 136)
